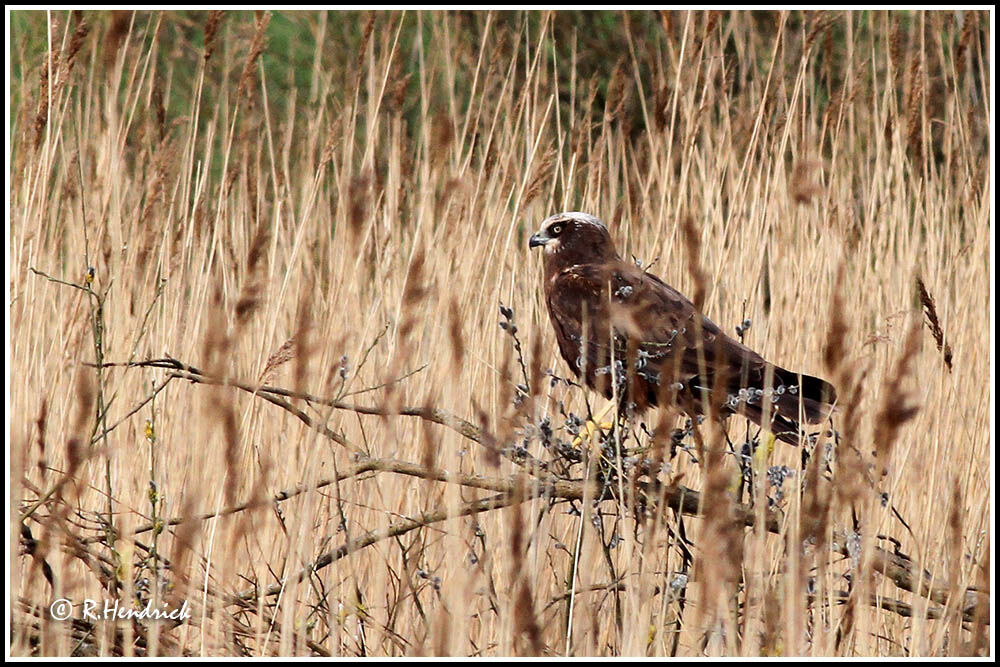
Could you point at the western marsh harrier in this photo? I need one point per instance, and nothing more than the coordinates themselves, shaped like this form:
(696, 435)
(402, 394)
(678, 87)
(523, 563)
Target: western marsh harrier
(615, 321)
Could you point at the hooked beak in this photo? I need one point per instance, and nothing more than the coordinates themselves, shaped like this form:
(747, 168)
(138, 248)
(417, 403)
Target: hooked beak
(538, 240)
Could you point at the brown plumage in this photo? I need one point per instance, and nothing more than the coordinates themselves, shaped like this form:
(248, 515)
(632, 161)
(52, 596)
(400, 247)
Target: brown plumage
(665, 351)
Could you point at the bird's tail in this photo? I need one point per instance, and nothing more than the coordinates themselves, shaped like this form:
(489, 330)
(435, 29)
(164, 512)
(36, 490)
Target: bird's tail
(793, 398)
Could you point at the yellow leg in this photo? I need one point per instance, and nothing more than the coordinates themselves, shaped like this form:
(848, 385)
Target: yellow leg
(759, 462)
(594, 425)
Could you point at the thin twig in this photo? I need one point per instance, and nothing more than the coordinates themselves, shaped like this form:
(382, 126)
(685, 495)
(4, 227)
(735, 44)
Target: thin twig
(372, 537)
(556, 488)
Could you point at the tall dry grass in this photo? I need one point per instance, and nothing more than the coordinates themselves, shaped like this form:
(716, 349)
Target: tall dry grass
(347, 230)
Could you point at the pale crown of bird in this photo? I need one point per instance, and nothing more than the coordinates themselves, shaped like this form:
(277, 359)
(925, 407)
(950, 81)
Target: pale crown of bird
(548, 235)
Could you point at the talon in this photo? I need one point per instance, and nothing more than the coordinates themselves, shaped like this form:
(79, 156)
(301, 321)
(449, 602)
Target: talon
(763, 452)
(589, 429)
(594, 425)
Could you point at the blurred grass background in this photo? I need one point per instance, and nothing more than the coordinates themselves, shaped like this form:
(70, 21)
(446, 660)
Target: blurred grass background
(597, 37)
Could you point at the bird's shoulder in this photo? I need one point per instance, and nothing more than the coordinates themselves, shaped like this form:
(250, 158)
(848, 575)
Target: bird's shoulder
(631, 283)
(662, 312)
(644, 295)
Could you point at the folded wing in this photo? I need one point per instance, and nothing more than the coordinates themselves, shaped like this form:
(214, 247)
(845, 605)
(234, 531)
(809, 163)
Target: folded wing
(614, 319)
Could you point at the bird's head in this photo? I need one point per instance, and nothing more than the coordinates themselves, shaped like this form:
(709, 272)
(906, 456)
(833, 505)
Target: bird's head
(574, 238)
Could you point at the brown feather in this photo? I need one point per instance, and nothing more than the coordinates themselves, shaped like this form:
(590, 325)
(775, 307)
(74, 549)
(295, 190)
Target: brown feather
(603, 309)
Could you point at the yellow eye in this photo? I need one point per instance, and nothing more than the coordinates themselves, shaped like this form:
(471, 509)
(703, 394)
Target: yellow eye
(556, 229)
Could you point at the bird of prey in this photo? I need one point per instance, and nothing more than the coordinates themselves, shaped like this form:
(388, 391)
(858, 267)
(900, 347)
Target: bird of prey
(631, 336)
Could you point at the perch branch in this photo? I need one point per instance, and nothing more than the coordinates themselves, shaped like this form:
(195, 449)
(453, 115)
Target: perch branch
(275, 395)
(557, 488)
